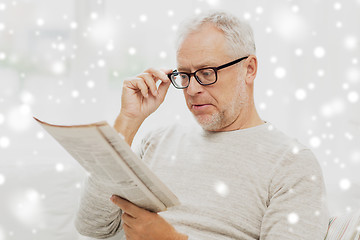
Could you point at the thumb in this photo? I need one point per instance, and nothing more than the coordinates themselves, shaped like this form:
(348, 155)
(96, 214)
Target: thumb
(166, 70)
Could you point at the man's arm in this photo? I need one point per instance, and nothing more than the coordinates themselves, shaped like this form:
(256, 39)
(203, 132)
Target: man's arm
(97, 216)
(297, 203)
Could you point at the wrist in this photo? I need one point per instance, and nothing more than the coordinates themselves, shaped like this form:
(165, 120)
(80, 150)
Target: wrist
(127, 126)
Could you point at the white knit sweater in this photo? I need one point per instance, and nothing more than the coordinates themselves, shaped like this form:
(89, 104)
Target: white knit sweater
(255, 183)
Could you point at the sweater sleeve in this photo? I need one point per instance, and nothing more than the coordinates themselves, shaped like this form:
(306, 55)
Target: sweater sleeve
(97, 216)
(297, 206)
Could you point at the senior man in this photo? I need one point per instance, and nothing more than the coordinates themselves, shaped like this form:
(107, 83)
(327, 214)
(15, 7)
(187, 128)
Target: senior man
(237, 176)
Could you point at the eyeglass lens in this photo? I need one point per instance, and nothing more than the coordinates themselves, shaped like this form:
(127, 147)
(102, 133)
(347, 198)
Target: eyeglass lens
(205, 76)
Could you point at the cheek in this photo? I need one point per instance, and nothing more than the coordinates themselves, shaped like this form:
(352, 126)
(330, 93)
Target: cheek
(186, 96)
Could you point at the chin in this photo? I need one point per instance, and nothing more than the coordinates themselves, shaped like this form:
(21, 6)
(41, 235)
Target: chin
(210, 123)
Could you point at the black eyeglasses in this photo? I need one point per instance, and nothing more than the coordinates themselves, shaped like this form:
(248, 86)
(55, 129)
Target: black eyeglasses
(204, 76)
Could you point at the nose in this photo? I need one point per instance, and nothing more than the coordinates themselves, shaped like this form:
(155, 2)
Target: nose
(194, 87)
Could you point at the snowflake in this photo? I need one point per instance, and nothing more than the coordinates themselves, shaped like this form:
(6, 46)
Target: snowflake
(170, 13)
(110, 46)
(273, 59)
(295, 150)
(73, 25)
(40, 22)
(345, 184)
(300, 94)
(94, 15)
(2, 26)
(197, 11)
(321, 72)
(311, 86)
(58, 67)
(221, 188)
(319, 52)
(19, 118)
(59, 167)
(269, 92)
(101, 63)
(355, 157)
(350, 42)
(353, 75)
(315, 142)
(335, 107)
(213, 3)
(40, 135)
(295, 8)
(353, 96)
(293, 218)
(2, 179)
(75, 93)
(280, 72)
(298, 52)
(2, 6)
(162, 54)
(247, 16)
(262, 106)
(259, 10)
(143, 18)
(90, 84)
(132, 51)
(337, 6)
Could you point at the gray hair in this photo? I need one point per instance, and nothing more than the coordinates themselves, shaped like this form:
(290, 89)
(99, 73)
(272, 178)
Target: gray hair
(238, 33)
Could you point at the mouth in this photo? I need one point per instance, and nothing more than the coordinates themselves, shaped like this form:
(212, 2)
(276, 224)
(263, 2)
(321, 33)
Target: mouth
(200, 106)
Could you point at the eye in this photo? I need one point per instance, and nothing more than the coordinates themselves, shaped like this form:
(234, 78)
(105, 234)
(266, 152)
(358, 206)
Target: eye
(184, 76)
(206, 73)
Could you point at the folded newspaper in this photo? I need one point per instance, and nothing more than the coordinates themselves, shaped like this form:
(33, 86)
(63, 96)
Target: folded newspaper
(104, 154)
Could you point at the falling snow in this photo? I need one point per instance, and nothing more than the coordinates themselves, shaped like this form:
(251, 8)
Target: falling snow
(293, 218)
(319, 52)
(345, 184)
(300, 94)
(67, 65)
(221, 188)
(280, 72)
(59, 167)
(315, 142)
(2, 179)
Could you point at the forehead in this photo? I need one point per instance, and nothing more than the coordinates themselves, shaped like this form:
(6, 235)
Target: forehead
(205, 47)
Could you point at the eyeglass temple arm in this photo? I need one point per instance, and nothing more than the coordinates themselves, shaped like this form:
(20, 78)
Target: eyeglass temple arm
(231, 63)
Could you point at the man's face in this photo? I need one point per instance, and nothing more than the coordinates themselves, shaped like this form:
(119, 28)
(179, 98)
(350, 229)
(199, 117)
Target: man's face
(220, 106)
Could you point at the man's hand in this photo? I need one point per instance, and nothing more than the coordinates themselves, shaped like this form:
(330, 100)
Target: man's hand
(140, 224)
(140, 97)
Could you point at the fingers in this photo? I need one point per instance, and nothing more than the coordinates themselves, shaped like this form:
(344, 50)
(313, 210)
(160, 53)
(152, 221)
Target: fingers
(163, 88)
(138, 83)
(150, 82)
(125, 205)
(146, 82)
(159, 74)
(128, 220)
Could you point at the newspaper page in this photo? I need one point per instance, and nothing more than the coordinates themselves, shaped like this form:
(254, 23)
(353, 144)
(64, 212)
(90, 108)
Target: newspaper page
(103, 153)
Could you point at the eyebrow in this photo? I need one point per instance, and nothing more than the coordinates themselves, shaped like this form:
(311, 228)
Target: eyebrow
(198, 66)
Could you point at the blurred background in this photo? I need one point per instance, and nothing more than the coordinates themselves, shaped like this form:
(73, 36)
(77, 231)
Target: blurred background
(64, 62)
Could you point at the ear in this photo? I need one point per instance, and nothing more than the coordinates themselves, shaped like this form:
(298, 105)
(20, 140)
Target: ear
(251, 69)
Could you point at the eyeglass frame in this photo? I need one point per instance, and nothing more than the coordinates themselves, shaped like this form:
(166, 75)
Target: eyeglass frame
(215, 69)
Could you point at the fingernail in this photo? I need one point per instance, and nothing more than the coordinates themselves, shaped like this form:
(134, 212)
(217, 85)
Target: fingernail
(147, 95)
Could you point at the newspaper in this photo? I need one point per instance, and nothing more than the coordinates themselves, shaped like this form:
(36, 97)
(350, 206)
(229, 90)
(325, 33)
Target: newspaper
(104, 154)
